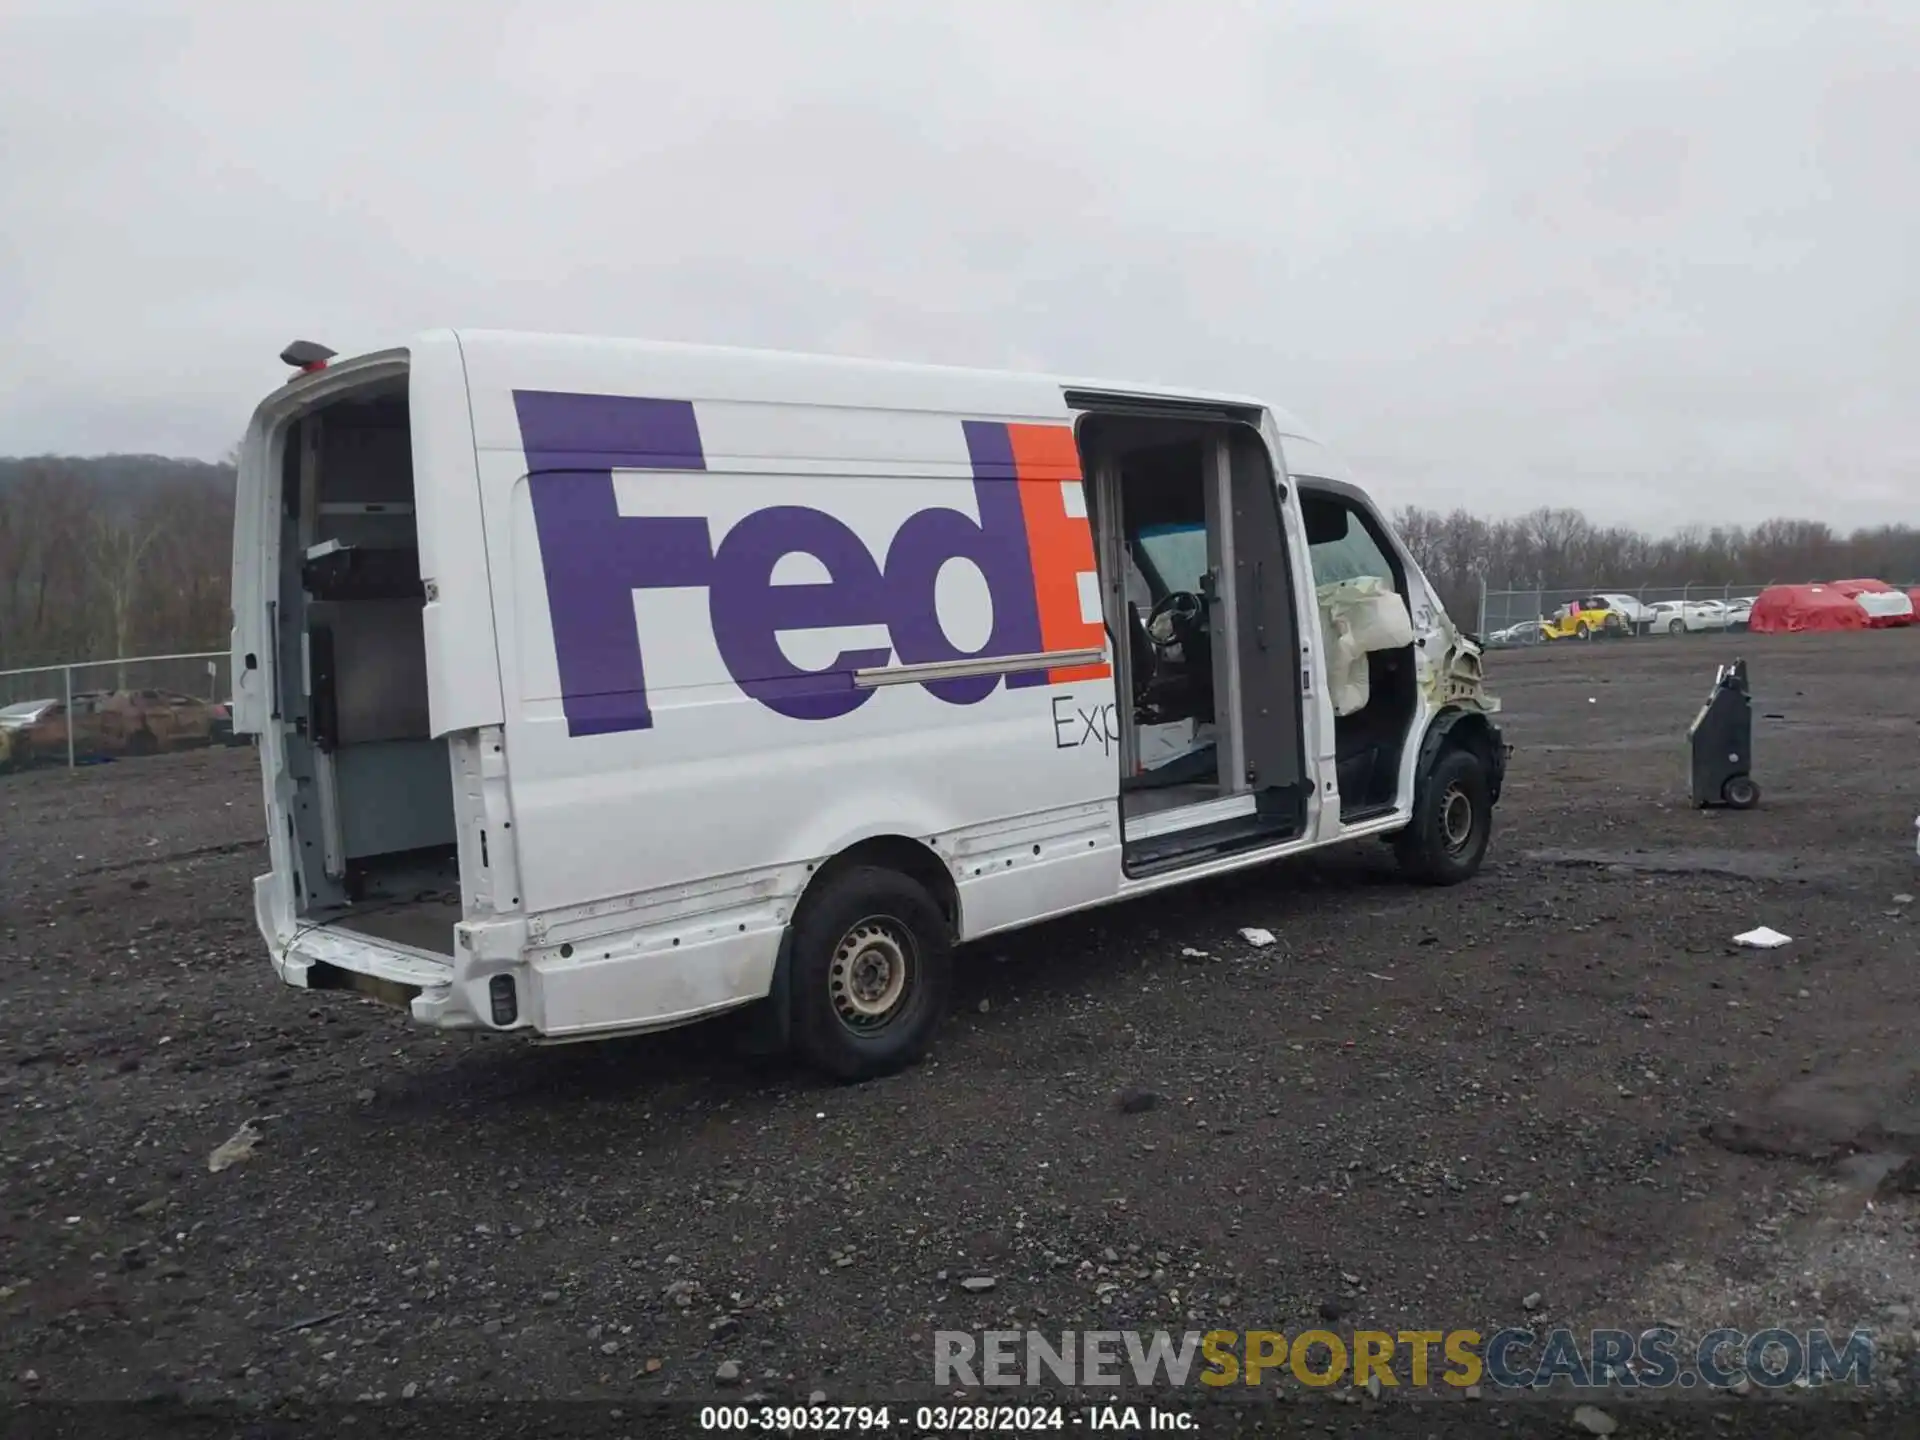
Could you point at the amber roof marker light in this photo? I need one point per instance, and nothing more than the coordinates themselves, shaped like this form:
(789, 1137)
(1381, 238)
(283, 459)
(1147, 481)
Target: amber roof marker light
(306, 357)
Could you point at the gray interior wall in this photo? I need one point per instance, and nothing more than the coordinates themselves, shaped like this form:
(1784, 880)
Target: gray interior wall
(379, 648)
(366, 456)
(289, 680)
(395, 795)
(395, 783)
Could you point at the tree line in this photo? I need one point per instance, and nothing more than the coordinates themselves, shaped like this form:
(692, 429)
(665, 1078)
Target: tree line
(132, 554)
(113, 555)
(1562, 550)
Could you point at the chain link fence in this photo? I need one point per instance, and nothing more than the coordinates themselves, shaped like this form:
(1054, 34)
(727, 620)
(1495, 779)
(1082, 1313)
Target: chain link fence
(95, 711)
(1513, 617)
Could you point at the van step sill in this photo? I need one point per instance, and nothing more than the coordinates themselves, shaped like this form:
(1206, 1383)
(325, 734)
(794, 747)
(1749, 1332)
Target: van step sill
(1205, 842)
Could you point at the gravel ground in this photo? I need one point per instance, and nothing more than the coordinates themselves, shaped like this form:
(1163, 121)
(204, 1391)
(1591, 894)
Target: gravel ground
(1418, 1110)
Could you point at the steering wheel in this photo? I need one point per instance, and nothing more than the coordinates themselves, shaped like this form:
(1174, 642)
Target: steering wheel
(1172, 616)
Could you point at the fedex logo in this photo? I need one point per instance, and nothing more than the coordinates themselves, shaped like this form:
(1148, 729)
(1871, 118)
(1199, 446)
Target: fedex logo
(1031, 543)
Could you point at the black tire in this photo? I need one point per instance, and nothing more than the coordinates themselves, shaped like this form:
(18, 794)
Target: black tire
(1740, 792)
(885, 919)
(1436, 848)
(1582, 631)
(1676, 627)
(141, 742)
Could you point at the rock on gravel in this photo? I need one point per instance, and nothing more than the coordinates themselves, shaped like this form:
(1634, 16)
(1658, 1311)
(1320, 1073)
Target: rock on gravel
(235, 1148)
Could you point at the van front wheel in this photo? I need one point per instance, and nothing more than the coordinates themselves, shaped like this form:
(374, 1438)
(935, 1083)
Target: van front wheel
(872, 966)
(1452, 821)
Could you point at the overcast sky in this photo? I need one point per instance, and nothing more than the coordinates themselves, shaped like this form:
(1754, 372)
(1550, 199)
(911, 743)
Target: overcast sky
(1659, 260)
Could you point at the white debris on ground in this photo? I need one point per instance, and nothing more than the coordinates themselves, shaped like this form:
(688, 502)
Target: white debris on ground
(1253, 935)
(235, 1148)
(1762, 938)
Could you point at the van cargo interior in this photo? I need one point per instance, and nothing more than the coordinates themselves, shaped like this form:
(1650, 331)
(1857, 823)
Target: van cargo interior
(373, 816)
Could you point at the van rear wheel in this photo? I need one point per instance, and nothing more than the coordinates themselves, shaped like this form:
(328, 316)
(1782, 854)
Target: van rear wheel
(1452, 821)
(872, 968)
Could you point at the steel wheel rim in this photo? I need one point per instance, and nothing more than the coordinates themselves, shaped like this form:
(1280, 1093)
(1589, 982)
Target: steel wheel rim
(871, 976)
(1456, 819)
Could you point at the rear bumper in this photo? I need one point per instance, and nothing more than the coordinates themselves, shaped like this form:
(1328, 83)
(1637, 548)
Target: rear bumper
(321, 958)
(631, 983)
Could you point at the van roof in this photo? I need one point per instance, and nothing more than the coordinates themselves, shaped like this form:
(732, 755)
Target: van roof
(771, 363)
(806, 359)
(717, 372)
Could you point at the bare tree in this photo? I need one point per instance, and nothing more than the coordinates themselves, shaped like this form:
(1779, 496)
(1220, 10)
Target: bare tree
(117, 550)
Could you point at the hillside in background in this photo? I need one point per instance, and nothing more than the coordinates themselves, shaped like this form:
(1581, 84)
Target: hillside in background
(131, 555)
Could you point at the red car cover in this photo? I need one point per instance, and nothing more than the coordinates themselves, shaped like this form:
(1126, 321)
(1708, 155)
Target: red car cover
(1873, 587)
(1782, 609)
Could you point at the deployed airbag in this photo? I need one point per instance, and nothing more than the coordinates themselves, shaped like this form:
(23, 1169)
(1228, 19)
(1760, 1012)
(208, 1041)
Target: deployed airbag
(1359, 617)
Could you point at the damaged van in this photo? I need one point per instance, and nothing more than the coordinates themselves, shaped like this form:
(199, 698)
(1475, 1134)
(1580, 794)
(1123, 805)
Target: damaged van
(603, 686)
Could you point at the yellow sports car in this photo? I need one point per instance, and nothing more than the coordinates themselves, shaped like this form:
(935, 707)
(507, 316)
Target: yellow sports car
(1583, 619)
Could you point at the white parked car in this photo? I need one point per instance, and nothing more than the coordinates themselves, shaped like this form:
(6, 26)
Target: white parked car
(1639, 616)
(1679, 617)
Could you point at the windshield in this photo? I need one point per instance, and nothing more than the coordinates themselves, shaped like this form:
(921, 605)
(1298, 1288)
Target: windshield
(25, 710)
(1175, 556)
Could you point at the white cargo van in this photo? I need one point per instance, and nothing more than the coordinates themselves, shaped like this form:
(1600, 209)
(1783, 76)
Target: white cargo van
(602, 686)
